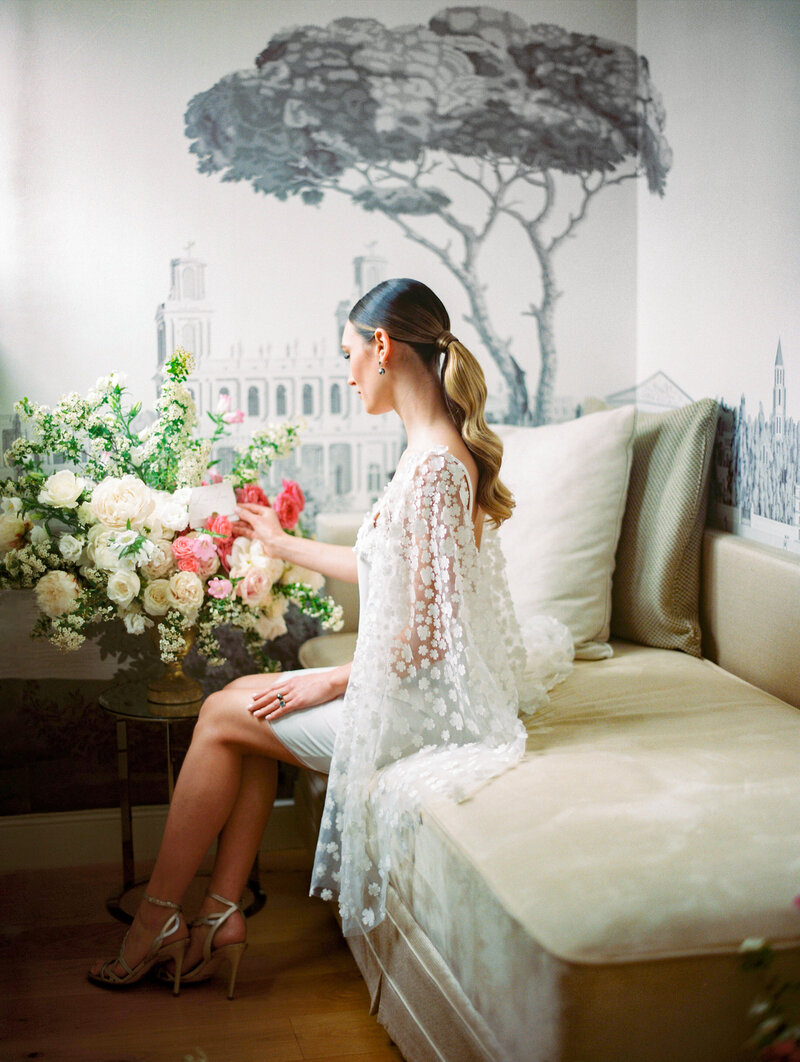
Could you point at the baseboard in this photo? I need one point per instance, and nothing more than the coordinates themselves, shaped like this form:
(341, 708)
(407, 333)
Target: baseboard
(80, 838)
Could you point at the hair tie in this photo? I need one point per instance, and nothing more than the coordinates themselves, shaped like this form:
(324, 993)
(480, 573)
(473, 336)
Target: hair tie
(444, 340)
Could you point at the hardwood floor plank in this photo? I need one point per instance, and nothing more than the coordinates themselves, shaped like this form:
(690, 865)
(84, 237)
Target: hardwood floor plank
(299, 995)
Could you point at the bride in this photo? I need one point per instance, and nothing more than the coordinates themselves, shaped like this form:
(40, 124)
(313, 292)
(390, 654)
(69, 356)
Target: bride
(429, 703)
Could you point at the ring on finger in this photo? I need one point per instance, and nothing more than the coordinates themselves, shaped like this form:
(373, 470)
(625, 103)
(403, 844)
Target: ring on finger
(281, 701)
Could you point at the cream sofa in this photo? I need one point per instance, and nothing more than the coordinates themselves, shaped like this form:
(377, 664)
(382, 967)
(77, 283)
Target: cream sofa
(589, 905)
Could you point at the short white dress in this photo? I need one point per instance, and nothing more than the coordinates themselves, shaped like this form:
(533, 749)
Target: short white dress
(309, 733)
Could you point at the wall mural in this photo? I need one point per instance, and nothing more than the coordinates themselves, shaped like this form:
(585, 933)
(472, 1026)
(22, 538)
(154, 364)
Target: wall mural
(407, 121)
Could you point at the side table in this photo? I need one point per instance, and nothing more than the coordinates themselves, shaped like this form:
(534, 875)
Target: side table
(128, 701)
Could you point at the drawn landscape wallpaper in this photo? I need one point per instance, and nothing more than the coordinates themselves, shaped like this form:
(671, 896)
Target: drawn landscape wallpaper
(603, 192)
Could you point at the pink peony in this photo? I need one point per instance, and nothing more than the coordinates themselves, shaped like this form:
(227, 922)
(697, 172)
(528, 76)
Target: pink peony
(251, 494)
(234, 418)
(220, 588)
(183, 552)
(204, 548)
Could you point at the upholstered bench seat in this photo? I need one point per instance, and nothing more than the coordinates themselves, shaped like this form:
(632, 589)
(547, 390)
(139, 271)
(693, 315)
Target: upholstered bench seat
(656, 802)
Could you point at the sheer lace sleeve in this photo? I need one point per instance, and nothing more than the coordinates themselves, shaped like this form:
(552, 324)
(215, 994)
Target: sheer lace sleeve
(431, 706)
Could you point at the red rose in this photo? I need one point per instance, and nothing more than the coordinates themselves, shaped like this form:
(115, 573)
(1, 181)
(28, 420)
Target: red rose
(224, 553)
(293, 489)
(251, 494)
(220, 525)
(287, 510)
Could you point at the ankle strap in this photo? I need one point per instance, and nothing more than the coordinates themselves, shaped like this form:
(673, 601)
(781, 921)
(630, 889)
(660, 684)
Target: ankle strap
(221, 899)
(162, 903)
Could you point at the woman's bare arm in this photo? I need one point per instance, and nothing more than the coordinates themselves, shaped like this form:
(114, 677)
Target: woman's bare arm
(334, 562)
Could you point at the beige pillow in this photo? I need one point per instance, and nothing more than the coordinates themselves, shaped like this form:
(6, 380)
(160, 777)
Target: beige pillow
(569, 482)
(657, 586)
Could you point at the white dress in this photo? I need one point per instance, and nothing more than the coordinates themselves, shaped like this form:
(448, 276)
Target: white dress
(438, 677)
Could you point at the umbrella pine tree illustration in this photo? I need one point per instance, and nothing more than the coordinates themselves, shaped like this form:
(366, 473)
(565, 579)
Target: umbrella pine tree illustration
(477, 98)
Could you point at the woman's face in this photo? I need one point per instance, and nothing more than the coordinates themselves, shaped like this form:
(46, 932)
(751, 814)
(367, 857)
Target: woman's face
(362, 360)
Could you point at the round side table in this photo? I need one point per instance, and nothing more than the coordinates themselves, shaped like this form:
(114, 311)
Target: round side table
(125, 702)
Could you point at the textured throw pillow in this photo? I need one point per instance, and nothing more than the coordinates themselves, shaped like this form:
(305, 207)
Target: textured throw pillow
(657, 587)
(569, 482)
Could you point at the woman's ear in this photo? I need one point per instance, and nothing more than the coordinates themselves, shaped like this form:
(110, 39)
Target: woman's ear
(383, 345)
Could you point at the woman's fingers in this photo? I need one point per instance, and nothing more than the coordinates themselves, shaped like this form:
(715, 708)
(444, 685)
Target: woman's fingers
(271, 703)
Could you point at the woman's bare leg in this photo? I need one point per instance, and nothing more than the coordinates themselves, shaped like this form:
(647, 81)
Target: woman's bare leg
(213, 781)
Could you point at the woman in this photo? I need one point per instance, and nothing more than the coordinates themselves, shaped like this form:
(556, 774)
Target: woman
(429, 703)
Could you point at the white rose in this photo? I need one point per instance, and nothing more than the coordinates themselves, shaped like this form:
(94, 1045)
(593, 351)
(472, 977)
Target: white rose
(85, 514)
(297, 574)
(185, 593)
(62, 490)
(57, 593)
(123, 586)
(12, 531)
(117, 501)
(136, 623)
(161, 562)
(39, 536)
(101, 552)
(269, 627)
(10, 505)
(172, 513)
(248, 553)
(155, 599)
(69, 547)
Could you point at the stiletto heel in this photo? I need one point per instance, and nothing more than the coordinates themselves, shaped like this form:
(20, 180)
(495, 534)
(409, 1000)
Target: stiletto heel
(158, 953)
(212, 959)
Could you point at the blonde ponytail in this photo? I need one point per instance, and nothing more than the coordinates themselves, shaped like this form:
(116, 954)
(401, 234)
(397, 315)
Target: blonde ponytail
(464, 386)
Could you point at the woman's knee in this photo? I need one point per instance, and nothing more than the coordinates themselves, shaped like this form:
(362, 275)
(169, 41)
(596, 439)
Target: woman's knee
(217, 715)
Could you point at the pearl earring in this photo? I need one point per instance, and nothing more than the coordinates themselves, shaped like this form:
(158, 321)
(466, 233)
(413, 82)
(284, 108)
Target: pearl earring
(381, 371)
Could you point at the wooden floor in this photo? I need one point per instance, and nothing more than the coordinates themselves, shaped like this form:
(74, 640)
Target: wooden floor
(299, 994)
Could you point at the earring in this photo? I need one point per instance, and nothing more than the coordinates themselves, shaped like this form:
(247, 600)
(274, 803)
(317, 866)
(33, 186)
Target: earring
(381, 371)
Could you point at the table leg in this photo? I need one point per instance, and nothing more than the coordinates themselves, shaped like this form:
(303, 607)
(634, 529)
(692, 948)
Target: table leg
(128, 863)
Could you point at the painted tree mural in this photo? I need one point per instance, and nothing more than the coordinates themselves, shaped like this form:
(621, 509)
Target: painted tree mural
(477, 98)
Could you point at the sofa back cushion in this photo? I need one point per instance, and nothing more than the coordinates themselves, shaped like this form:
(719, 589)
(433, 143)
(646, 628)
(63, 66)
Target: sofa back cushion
(656, 589)
(569, 482)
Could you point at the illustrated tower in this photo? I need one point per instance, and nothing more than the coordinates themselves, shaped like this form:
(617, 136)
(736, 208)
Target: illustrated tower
(368, 270)
(779, 395)
(184, 319)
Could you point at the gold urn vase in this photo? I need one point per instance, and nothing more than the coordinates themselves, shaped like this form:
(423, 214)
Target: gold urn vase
(173, 688)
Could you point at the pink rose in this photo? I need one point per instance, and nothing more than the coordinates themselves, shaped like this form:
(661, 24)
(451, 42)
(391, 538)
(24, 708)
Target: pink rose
(208, 567)
(254, 589)
(220, 588)
(183, 552)
(234, 418)
(293, 489)
(224, 550)
(251, 494)
(223, 404)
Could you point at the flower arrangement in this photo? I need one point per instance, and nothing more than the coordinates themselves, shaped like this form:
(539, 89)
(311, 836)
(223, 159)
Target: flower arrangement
(111, 537)
(777, 1007)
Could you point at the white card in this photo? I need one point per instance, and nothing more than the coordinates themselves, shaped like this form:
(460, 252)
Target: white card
(205, 501)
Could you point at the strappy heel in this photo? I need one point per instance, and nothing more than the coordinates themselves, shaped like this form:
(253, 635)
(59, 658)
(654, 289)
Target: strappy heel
(158, 953)
(213, 958)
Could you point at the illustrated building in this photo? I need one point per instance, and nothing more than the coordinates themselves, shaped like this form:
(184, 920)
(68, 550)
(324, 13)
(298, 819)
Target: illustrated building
(779, 395)
(345, 456)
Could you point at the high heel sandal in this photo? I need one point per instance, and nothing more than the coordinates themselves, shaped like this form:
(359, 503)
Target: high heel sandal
(158, 953)
(212, 960)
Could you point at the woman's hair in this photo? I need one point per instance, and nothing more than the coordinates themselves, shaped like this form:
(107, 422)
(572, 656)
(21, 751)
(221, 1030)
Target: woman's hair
(411, 313)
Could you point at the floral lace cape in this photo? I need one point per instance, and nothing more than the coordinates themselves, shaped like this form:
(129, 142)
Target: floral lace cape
(438, 677)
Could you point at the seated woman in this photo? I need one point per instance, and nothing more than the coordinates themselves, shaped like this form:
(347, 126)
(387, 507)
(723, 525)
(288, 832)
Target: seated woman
(430, 700)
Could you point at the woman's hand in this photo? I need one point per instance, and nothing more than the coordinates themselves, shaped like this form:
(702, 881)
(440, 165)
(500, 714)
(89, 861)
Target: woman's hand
(263, 524)
(291, 694)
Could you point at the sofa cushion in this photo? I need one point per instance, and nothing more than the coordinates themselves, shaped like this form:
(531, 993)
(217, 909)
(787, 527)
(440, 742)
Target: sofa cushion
(569, 482)
(656, 591)
(655, 817)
